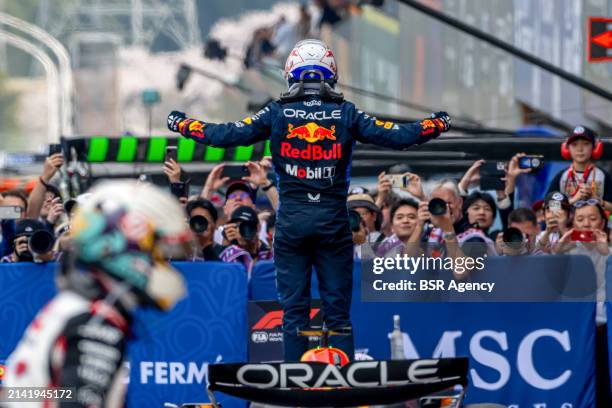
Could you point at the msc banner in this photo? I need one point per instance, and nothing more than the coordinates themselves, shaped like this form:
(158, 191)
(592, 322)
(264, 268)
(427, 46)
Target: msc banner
(170, 353)
(521, 354)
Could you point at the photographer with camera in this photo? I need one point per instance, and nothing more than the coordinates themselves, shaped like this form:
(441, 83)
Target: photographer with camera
(445, 199)
(33, 242)
(520, 236)
(241, 240)
(202, 220)
(467, 235)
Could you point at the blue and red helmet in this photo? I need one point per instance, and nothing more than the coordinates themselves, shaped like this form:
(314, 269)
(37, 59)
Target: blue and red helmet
(309, 58)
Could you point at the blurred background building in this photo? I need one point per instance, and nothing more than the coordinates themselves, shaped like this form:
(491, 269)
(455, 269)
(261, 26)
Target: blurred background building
(120, 49)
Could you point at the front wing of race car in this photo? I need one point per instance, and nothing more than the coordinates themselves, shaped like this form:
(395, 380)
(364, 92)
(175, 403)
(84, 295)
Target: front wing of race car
(314, 384)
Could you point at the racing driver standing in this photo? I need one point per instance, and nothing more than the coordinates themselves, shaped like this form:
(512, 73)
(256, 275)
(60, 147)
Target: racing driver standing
(312, 132)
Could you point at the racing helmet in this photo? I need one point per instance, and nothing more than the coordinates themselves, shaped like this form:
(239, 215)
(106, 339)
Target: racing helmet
(327, 355)
(307, 59)
(128, 230)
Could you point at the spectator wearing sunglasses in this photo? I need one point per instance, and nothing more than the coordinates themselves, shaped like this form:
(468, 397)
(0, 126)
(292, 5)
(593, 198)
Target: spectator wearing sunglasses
(238, 194)
(589, 236)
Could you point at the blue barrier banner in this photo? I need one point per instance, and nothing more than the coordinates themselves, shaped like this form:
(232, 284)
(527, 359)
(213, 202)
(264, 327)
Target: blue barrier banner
(170, 352)
(521, 354)
(262, 285)
(168, 360)
(608, 308)
(24, 290)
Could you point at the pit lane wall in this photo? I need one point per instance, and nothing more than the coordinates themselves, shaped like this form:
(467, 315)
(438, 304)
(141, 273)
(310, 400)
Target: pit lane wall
(521, 354)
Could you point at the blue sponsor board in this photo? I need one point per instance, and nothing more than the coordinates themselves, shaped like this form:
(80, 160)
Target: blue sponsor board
(170, 352)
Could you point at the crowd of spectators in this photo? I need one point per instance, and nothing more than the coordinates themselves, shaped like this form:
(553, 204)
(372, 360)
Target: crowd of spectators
(233, 218)
(278, 39)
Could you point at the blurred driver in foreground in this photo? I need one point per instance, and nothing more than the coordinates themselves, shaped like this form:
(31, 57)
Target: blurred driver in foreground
(121, 237)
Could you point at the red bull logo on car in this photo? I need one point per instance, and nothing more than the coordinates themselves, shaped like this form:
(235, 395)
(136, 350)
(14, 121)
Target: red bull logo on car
(311, 132)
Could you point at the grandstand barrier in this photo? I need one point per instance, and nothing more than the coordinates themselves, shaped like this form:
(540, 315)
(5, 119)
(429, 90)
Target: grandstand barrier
(521, 353)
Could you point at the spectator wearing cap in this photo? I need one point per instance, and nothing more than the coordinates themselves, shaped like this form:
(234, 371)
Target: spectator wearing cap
(242, 242)
(238, 194)
(583, 180)
(556, 209)
(370, 214)
(202, 221)
(26, 249)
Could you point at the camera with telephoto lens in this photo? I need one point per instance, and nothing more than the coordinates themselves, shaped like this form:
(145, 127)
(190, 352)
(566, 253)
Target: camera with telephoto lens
(198, 224)
(437, 206)
(247, 230)
(41, 241)
(354, 220)
(514, 240)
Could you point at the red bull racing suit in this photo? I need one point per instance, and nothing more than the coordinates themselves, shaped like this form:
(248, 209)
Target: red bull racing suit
(311, 141)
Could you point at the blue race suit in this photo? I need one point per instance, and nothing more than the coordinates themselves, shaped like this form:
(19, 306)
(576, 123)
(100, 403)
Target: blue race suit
(311, 141)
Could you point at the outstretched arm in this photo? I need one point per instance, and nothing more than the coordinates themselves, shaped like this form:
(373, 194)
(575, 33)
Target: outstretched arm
(242, 133)
(368, 129)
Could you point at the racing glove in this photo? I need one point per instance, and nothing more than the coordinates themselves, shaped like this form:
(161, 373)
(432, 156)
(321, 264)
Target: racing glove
(180, 123)
(438, 123)
(174, 120)
(442, 120)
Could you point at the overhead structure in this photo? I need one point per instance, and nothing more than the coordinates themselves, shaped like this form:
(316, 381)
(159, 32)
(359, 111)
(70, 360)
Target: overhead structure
(66, 85)
(53, 94)
(148, 19)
